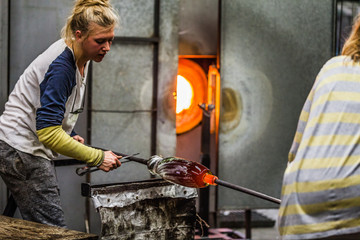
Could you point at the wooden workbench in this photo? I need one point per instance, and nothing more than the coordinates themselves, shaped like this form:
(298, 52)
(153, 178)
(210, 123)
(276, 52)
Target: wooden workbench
(18, 229)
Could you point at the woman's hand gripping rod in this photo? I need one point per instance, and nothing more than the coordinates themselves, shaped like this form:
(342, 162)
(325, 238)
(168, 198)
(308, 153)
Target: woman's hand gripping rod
(83, 170)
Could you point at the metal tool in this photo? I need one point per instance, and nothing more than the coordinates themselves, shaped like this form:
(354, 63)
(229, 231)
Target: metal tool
(247, 191)
(83, 170)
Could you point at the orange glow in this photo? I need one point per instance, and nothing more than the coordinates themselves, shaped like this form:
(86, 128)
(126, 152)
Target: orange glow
(193, 80)
(214, 97)
(184, 94)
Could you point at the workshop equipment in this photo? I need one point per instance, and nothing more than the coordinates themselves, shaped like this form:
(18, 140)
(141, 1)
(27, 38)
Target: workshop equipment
(190, 174)
(152, 209)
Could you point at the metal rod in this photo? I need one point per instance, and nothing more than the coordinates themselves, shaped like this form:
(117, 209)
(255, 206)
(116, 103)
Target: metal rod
(134, 159)
(248, 223)
(129, 157)
(204, 194)
(217, 181)
(248, 191)
(155, 76)
(137, 39)
(83, 170)
(123, 111)
(88, 107)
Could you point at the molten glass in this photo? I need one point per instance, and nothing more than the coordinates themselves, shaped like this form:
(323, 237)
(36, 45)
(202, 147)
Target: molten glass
(180, 171)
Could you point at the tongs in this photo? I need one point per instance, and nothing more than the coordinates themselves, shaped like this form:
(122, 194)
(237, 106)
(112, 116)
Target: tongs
(83, 170)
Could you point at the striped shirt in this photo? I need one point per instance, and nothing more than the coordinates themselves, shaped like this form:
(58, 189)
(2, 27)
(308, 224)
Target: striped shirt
(321, 185)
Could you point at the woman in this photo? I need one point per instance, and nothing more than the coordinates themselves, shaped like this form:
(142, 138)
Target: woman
(41, 112)
(321, 186)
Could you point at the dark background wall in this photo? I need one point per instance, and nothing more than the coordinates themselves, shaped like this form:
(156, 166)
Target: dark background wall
(271, 52)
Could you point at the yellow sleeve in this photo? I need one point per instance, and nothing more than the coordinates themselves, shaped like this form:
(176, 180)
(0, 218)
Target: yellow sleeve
(58, 140)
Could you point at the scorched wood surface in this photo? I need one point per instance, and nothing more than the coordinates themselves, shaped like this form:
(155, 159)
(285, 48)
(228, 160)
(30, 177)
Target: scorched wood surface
(17, 229)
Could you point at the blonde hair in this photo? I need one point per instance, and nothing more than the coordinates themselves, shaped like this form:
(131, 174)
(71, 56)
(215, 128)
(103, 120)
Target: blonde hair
(86, 12)
(351, 47)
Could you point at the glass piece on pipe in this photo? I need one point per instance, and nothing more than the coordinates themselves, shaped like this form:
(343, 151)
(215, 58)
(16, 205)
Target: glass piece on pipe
(180, 171)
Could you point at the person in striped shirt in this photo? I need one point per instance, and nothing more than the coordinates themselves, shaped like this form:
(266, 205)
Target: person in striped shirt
(321, 184)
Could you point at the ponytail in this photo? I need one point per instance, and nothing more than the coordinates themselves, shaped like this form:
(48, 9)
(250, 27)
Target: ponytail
(352, 45)
(89, 11)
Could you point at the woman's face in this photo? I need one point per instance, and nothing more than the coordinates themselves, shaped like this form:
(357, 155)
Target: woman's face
(97, 43)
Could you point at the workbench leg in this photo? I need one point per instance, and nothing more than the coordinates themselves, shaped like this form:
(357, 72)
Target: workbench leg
(10, 207)
(248, 223)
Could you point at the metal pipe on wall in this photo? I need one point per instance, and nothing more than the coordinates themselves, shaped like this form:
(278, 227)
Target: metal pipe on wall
(4, 52)
(4, 76)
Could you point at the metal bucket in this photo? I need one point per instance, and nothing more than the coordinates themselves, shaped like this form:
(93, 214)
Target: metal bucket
(153, 209)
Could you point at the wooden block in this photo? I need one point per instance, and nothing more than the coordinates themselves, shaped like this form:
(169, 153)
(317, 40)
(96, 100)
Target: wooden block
(13, 228)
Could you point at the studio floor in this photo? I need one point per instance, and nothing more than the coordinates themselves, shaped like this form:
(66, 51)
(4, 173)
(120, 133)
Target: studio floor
(264, 233)
(269, 233)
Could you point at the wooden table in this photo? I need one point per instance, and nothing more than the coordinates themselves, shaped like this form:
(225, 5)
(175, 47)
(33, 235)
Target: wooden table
(18, 229)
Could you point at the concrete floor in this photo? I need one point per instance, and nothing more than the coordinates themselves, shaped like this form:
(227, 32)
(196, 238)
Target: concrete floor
(263, 233)
(268, 233)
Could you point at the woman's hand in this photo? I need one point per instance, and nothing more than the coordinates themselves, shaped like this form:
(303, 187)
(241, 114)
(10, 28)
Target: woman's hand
(79, 139)
(111, 161)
